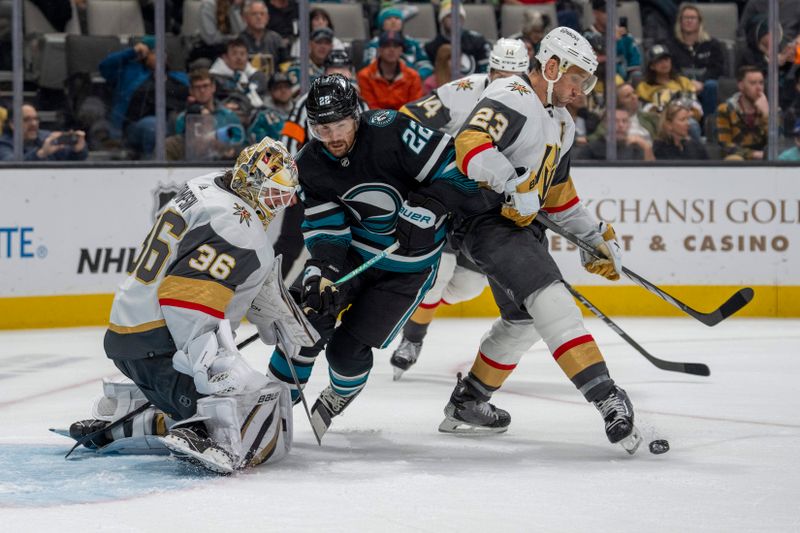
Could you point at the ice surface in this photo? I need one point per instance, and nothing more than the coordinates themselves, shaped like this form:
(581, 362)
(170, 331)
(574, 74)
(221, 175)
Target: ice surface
(733, 465)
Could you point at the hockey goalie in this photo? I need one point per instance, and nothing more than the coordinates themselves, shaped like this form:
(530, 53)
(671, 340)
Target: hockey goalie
(205, 264)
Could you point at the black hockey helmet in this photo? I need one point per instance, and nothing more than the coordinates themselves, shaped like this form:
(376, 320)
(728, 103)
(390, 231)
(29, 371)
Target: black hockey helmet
(331, 98)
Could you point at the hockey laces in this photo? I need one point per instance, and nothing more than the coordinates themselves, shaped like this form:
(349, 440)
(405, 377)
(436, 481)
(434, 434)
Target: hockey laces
(613, 404)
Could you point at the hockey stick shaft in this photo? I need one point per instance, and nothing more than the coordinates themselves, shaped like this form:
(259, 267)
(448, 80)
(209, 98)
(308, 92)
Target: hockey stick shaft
(739, 299)
(698, 369)
(142, 408)
(361, 268)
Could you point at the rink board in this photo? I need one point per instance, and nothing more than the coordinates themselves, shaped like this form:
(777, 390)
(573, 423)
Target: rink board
(67, 237)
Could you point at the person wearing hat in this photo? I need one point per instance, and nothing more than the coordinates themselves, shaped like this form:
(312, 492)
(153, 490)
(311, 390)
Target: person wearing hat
(319, 46)
(391, 19)
(268, 122)
(475, 49)
(318, 18)
(662, 83)
(387, 82)
(629, 57)
(793, 153)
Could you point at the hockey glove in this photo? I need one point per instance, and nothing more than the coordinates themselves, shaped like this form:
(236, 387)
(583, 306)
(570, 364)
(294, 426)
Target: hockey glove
(605, 240)
(320, 295)
(418, 224)
(522, 199)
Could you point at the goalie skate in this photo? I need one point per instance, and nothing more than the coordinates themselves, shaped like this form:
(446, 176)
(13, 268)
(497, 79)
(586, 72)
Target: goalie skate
(187, 444)
(404, 357)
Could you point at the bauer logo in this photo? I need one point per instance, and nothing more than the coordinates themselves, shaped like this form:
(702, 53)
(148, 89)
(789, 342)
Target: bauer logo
(20, 242)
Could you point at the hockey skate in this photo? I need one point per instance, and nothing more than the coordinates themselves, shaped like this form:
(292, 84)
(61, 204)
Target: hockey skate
(617, 413)
(468, 413)
(404, 357)
(189, 444)
(328, 405)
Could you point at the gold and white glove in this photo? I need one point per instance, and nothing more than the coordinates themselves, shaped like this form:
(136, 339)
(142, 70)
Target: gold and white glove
(605, 240)
(522, 199)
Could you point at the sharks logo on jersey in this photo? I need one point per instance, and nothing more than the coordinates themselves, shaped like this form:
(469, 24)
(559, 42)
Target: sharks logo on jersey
(374, 205)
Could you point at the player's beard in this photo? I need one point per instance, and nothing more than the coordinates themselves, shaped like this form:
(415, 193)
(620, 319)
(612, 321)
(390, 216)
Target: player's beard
(339, 148)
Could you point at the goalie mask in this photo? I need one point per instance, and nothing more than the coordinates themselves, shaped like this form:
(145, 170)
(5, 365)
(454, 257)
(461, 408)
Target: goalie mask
(571, 49)
(265, 177)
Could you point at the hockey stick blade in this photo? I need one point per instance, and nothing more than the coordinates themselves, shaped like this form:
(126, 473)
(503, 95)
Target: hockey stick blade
(697, 369)
(741, 298)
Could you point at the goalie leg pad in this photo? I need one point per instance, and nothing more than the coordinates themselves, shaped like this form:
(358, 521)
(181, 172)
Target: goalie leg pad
(560, 323)
(254, 428)
(120, 397)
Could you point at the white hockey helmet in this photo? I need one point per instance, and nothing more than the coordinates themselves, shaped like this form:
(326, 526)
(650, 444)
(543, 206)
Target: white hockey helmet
(571, 49)
(509, 55)
(265, 177)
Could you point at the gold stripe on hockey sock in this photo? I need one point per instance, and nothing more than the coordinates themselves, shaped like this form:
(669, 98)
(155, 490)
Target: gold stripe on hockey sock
(423, 315)
(141, 328)
(491, 373)
(577, 354)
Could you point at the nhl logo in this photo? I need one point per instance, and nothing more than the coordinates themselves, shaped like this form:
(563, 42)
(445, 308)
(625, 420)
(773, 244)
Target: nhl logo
(345, 162)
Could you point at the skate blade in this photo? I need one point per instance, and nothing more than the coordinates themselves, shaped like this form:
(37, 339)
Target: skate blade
(631, 442)
(187, 454)
(397, 373)
(61, 431)
(451, 425)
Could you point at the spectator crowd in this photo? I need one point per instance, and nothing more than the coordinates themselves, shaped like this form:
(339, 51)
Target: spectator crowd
(681, 91)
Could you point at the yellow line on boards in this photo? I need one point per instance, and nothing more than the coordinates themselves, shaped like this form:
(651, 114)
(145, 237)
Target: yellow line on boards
(769, 301)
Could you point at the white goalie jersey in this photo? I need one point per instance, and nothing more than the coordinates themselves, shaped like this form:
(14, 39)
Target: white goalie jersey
(204, 260)
(449, 106)
(508, 133)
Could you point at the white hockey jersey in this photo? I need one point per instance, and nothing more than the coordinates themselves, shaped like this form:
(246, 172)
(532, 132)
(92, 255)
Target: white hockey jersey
(204, 260)
(449, 106)
(509, 132)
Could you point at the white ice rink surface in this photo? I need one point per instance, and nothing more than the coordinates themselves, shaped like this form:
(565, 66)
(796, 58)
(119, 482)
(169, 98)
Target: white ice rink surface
(733, 465)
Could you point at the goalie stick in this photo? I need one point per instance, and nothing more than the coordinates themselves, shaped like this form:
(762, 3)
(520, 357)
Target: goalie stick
(739, 299)
(698, 369)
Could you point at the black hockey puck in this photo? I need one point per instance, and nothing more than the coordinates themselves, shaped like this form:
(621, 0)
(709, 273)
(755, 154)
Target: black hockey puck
(659, 446)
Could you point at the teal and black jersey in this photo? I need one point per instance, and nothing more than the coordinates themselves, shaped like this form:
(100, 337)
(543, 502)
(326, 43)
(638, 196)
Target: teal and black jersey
(354, 201)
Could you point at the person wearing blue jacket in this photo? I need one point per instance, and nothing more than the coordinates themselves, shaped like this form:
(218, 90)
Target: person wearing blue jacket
(129, 73)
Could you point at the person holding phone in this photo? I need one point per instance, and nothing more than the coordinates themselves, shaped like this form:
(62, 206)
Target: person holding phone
(42, 145)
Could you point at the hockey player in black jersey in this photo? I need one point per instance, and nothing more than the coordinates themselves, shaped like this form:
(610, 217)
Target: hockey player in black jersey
(358, 176)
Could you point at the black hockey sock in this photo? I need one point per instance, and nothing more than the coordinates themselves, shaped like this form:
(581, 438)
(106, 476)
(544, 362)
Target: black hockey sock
(477, 389)
(415, 332)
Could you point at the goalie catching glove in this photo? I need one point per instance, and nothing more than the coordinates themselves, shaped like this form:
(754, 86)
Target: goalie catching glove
(605, 241)
(216, 365)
